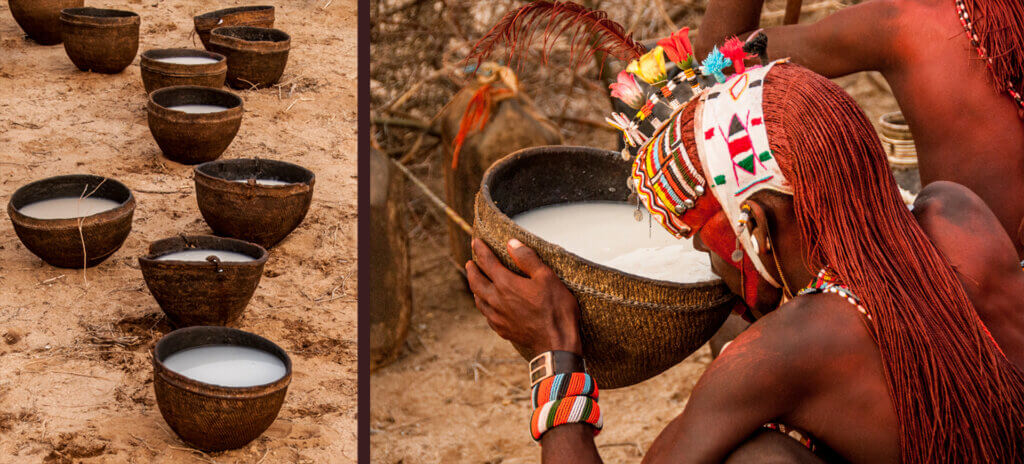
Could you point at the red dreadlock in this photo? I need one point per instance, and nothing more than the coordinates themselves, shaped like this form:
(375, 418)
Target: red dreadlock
(996, 30)
(956, 397)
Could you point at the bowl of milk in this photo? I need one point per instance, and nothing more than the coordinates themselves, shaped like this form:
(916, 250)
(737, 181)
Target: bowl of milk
(257, 200)
(168, 67)
(257, 56)
(72, 221)
(219, 388)
(193, 124)
(647, 299)
(202, 279)
(100, 40)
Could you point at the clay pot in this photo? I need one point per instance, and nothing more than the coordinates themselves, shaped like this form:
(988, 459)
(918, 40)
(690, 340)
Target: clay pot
(632, 327)
(57, 241)
(40, 19)
(98, 40)
(256, 56)
(158, 74)
(211, 417)
(257, 16)
(202, 293)
(248, 211)
(192, 138)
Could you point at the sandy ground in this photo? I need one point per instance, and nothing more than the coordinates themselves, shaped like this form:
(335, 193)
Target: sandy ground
(459, 393)
(76, 382)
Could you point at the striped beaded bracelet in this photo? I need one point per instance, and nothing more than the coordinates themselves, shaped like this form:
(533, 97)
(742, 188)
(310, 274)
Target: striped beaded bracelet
(568, 410)
(564, 385)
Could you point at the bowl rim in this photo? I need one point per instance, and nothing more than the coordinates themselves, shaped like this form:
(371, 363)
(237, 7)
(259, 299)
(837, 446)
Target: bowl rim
(87, 15)
(127, 207)
(156, 109)
(149, 61)
(219, 38)
(209, 180)
(220, 391)
(210, 15)
(507, 162)
(151, 257)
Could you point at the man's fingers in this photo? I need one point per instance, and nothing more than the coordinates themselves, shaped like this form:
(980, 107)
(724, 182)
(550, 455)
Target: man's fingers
(479, 284)
(525, 258)
(489, 264)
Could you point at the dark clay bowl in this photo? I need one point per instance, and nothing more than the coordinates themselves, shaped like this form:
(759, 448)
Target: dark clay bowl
(40, 19)
(256, 56)
(192, 138)
(632, 327)
(202, 293)
(98, 40)
(57, 241)
(255, 213)
(158, 74)
(211, 417)
(257, 16)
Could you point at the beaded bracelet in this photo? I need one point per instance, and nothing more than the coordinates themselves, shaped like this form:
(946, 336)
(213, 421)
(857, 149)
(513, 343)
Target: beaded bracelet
(564, 385)
(568, 410)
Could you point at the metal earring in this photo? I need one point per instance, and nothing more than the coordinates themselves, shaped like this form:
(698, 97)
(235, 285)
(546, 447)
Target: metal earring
(737, 254)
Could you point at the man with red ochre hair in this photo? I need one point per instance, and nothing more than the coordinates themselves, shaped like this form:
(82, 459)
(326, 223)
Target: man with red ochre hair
(870, 349)
(956, 68)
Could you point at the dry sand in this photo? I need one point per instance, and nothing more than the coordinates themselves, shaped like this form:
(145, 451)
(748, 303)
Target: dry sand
(76, 382)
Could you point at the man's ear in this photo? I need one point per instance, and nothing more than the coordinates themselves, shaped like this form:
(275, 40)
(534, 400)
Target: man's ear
(758, 226)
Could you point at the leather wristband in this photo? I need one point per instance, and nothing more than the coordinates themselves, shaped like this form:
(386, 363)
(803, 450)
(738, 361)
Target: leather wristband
(550, 363)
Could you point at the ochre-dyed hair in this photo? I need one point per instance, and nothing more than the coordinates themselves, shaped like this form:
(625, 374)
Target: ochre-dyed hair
(1000, 28)
(957, 398)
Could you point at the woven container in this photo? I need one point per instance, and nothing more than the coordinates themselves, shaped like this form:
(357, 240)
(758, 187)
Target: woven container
(633, 328)
(193, 138)
(59, 242)
(99, 40)
(202, 293)
(40, 19)
(257, 56)
(158, 74)
(258, 16)
(261, 214)
(899, 147)
(211, 417)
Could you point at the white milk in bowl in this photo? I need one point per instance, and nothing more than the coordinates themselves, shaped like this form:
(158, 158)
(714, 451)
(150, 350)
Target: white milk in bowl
(67, 207)
(187, 60)
(227, 365)
(201, 254)
(198, 109)
(608, 234)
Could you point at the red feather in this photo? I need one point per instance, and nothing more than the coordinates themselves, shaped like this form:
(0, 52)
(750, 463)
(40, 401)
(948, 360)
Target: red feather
(591, 30)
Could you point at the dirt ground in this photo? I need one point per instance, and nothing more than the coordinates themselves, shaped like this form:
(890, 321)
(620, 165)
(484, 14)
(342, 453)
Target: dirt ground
(76, 382)
(459, 393)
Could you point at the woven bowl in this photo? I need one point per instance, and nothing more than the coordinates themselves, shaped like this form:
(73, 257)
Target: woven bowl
(99, 40)
(202, 293)
(40, 19)
(59, 241)
(158, 74)
(211, 417)
(257, 16)
(257, 56)
(256, 213)
(192, 138)
(632, 327)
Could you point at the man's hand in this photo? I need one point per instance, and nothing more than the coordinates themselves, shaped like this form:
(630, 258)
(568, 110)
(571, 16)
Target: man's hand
(537, 313)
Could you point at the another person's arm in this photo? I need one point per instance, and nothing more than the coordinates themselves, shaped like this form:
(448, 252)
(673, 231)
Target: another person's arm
(855, 38)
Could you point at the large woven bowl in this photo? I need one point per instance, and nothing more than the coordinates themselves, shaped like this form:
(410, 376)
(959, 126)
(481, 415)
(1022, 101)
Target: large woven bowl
(211, 417)
(193, 138)
(202, 293)
(633, 328)
(257, 56)
(100, 40)
(158, 74)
